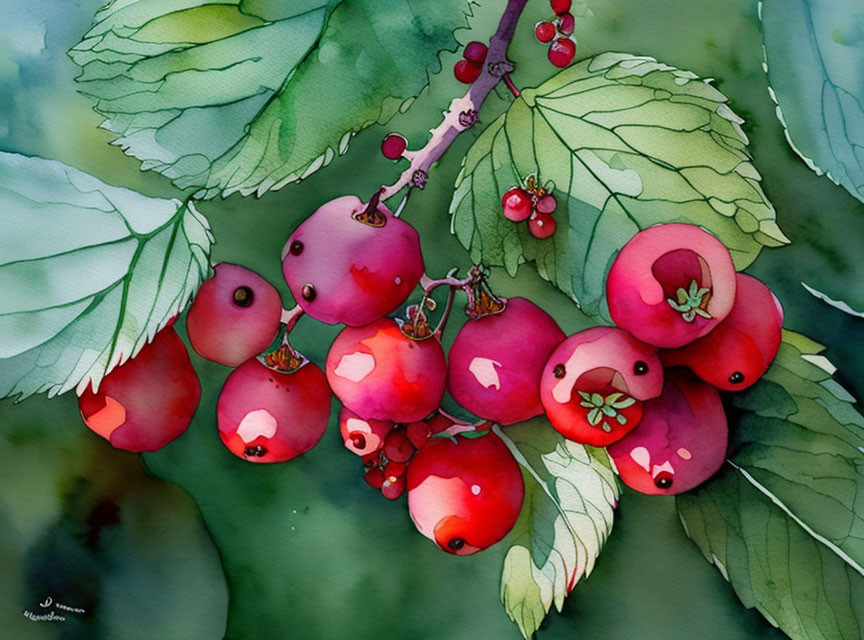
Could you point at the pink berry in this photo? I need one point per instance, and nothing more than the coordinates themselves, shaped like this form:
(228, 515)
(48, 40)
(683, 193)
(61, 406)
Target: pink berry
(466, 71)
(475, 52)
(516, 204)
(496, 362)
(392, 487)
(235, 315)
(267, 415)
(671, 284)
(342, 267)
(393, 146)
(680, 442)
(148, 401)
(594, 383)
(465, 494)
(362, 436)
(379, 372)
(566, 24)
(547, 204)
(561, 52)
(742, 346)
(544, 31)
(397, 446)
(560, 6)
(541, 225)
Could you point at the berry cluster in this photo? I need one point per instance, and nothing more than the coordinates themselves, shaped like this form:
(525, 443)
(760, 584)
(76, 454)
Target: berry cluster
(558, 32)
(469, 68)
(533, 203)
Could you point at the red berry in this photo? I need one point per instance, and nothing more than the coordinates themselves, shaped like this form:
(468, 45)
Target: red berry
(362, 436)
(465, 493)
(566, 24)
(594, 382)
(374, 478)
(397, 446)
(235, 315)
(394, 470)
(148, 401)
(439, 422)
(516, 204)
(680, 442)
(393, 146)
(560, 6)
(418, 433)
(475, 52)
(494, 371)
(741, 347)
(393, 488)
(544, 31)
(266, 415)
(341, 269)
(379, 372)
(671, 284)
(467, 71)
(547, 204)
(541, 225)
(561, 52)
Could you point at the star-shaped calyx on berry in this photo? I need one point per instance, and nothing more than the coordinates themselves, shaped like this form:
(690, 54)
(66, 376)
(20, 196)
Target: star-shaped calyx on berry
(691, 302)
(602, 407)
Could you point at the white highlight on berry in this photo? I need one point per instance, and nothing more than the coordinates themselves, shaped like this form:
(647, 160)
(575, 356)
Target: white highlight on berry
(398, 281)
(642, 457)
(659, 468)
(257, 423)
(485, 373)
(684, 454)
(355, 366)
(356, 424)
(475, 489)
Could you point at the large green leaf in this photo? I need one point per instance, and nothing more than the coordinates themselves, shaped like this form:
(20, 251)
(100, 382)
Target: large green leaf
(570, 495)
(814, 55)
(784, 521)
(627, 142)
(89, 273)
(249, 95)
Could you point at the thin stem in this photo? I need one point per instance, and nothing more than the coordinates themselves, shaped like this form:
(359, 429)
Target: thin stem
(290, 317)
(510, 85)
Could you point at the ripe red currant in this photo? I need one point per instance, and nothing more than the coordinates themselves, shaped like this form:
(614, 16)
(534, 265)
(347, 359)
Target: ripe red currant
(374, 477)
(594, 383)
(562, 52)
(268, 415)
(680, 442)
(418, 433)
(345, 264)
(465, 494)
(547, 204)
(671, 284)
(379, 372)
(234, 316)
(742, 346)
(392, 487)
(494, 371)
(467, 71)
(561, 6)
(544, 31)
(541, 225)
(393, 146)
(148, 401)
(566, 24)
(362, 436)
(516, 204)
(397, 446)
(475, 52)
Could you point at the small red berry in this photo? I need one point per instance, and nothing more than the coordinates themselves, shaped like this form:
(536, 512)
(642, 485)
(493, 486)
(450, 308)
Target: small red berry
(397, 446)
(467, 71)
(393, 488)
(544, 31)
(393, 470)
(374, 478)
(547, 204)
(516, 204)
(561, 52)
(393, 146)
(475, 52)
(566, 24)
(418, 433)
(361, 436)
(561, 6)
(541, 225)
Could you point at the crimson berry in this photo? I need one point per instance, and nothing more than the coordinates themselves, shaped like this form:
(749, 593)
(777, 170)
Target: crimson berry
(393, 470)
(742, 346)
(465, 494)
(566, 24)
(561, 6)
(494, 368)
(544, 31)
(671, 284)
(517, 204)
(541, 225)
(475, 52)
(392, 487)
(235, 315)
(680, 442)
(438, 422)
(594, 383)
(362, 436)
(562, 52)
(268, 415)
(418, 433)
(148, 401)
(379, 372)
(374, 478)
(547, 204)
(346, 264)
(467, 71)
(393, 146)
(397, 446)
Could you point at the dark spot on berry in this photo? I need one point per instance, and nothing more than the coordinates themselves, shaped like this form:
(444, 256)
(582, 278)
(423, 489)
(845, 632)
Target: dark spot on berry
(308, 292)
(296, 248)
(359, 440)
(559, 371)
(243, 296)
(736, 378)
(257, 450)
(269, 379)
(456, 543)
(640, 368)
(663, 480)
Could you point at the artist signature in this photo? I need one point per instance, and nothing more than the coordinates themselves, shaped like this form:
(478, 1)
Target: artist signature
(52, 611)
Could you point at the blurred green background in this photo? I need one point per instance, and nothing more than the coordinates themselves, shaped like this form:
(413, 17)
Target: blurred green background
(191, 542)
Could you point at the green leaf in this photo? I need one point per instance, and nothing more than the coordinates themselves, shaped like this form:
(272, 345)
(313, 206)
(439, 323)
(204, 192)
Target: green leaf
(628, 143)
(249, 95)
(89, 273)
(814, 55)
(570, 495)
(784, 521)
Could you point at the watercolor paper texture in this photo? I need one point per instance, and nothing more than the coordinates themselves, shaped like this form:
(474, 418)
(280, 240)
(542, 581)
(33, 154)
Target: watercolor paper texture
(598, 376)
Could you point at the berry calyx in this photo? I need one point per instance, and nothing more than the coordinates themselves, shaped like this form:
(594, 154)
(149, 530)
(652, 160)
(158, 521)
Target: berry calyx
(362, 436)
(561, 6)
(234, 316)
(148, 401)
(544, 31)
(542, 225)
(475, 52)
(465, 494)
(393, 146)
(517, 204)
(466, 71)
(561, 52)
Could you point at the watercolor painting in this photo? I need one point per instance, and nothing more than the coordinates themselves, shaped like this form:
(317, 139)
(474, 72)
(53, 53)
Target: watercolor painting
(465, 319)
